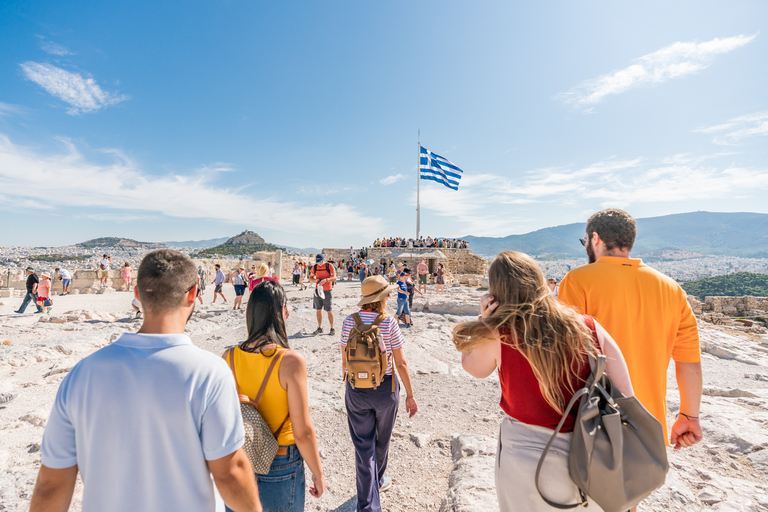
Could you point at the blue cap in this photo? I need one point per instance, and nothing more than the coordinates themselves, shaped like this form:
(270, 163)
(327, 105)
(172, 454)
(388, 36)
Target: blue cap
(319, 258)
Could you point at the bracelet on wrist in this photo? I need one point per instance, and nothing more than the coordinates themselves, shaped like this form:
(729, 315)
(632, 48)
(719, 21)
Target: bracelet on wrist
(688, 416)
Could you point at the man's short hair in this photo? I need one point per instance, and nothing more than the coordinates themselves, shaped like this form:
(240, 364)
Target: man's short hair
(217, 265)
(165, 276)
(552, 280)
(616, 228)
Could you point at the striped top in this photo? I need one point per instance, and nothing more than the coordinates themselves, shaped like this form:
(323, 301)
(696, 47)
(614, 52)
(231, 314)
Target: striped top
(390, 331)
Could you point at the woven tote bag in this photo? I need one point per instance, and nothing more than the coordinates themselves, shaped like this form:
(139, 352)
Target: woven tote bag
(260, 442)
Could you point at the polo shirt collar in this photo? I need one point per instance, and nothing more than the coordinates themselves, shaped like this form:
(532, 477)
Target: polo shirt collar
(136, 340)
(621, 262)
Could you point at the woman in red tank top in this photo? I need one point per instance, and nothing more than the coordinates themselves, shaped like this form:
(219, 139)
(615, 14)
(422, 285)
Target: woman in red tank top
(540, 348)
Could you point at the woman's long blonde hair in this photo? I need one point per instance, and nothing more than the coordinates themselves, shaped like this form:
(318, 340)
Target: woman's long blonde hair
(263, 270)
(552, 337)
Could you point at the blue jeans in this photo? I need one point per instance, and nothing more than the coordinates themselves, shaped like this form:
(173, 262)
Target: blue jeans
(402, 305)
(29, 297)
(371, 415)
(282, 489)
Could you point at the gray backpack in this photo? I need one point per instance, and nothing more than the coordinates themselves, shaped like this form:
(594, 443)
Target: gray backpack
(618, 456)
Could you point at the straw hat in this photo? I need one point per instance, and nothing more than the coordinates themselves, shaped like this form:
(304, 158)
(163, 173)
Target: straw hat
(374, 289)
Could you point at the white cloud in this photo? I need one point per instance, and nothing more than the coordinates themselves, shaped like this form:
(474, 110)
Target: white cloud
(8, 109)
(29, 179)
(493, 205)
(738, 128)
(82, 94)
(674, 61)
(389, 180)
(54, 48)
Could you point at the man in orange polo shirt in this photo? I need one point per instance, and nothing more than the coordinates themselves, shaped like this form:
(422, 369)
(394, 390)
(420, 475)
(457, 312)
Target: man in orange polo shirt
(647, 314)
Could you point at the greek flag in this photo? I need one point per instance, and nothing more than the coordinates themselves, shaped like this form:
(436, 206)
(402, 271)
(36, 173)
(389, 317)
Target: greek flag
(436, 168)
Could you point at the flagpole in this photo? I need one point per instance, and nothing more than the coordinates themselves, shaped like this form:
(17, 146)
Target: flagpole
(418, 179)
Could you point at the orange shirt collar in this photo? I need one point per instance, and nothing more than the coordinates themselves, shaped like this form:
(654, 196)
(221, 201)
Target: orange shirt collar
(619, 261)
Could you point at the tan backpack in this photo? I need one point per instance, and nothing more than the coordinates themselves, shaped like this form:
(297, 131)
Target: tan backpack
(366, 362)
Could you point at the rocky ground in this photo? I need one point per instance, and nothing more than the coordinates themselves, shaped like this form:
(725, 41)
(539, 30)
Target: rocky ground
(442, 459)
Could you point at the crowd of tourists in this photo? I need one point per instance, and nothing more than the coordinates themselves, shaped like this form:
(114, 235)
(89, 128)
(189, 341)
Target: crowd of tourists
(421, 242)
(611, 331)
(39, 288)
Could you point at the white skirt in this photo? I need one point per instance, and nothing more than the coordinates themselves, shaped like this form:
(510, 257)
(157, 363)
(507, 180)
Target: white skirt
(519, 450)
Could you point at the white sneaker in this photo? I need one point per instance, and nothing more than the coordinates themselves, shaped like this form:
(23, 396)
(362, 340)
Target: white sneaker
(386, 484)
(225, 302)
(213, 303)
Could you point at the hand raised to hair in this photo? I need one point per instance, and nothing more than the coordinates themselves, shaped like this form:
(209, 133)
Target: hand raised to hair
(487, 306)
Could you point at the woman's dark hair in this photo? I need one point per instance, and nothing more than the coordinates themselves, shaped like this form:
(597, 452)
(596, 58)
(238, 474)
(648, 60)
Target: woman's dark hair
(264, 317)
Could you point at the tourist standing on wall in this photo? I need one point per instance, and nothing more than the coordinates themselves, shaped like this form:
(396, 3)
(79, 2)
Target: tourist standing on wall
(127, 275)
(238, 281)
(422, 270)
(371, 412)
(323, 274)
(104, 266)
(283, 404)
(180, 413)
(218, 282)
(31, 296)
(440, 279)
(66, 280)
(648, 315)
(540, 348)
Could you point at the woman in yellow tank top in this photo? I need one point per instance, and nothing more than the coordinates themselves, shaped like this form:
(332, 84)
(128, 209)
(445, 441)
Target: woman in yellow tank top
(283, 405)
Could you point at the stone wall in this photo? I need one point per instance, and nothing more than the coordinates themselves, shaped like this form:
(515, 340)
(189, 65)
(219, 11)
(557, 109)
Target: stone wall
(87, 280)
(459, 261)
(736, 306)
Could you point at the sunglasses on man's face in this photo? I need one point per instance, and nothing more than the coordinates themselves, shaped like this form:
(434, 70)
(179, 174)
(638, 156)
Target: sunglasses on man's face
(583, 241)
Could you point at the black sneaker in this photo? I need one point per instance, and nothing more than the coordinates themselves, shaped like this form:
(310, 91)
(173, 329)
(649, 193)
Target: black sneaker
(332, 332)
(319, 330)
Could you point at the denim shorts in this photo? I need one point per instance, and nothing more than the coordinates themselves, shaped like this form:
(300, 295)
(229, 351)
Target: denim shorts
(65, 282)
(282, 489)
(239, 289)
(402, 305)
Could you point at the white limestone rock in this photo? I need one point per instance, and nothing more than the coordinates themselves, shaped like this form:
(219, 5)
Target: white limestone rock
(38, 417)
(471, 485)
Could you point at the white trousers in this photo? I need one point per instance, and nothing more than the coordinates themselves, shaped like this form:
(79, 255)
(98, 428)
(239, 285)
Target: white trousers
(519, 450)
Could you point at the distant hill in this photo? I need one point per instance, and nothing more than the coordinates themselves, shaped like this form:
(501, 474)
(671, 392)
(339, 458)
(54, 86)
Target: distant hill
(732, 234)
(245, 243)
(731, 285)
(199, 244)
(110, 241)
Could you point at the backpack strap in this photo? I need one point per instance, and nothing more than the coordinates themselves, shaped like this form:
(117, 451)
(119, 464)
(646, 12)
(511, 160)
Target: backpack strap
(576, 397)
(229, 356)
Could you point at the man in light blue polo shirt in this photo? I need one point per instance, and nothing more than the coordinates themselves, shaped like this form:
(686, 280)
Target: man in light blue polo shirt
(149, 419)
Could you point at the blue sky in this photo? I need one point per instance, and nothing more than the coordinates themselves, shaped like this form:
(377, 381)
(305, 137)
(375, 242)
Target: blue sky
(166, 121)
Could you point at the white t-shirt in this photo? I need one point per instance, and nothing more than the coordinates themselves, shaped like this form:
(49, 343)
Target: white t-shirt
(105, 263)
(140, 417)
(271, 272)
(64, 273)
